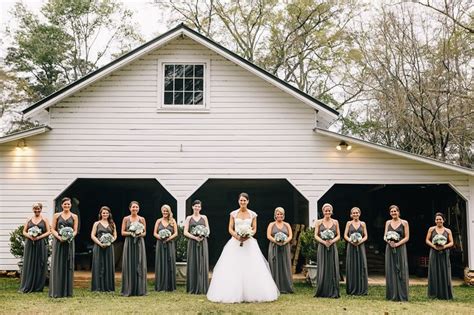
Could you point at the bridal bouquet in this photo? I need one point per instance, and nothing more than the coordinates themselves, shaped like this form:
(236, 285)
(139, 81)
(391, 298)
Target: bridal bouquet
(244, 231)
(392, 236)
(355, 237)
(200, 230)
(439, 240)
(106, 239)
(136, 228)
(66, 233)
(164, 234)
(280, 237)
(328, 235)
(34, 231)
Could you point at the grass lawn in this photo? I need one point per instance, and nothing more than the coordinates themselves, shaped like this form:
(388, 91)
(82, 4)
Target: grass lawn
(86, 302)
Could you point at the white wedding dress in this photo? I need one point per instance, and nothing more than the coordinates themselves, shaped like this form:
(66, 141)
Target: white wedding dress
(242, 273)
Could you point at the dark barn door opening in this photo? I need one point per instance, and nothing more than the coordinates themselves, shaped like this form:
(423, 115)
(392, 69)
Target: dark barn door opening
(220, 197)
(418, 204)
(88, 195)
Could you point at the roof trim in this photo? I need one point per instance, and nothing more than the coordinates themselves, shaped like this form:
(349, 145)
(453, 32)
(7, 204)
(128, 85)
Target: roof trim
(25, 134)
(160, 40)
(394, 151)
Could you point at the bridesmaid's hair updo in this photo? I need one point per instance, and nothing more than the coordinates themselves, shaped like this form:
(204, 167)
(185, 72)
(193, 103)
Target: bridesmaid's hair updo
(327, 205)
(65, 199)
(278, 209)
(197, 202)
(38, 205)
(394, 207)
(109, 219)
(356, 208)
(133, 202)
(439, 214)
(245, 195)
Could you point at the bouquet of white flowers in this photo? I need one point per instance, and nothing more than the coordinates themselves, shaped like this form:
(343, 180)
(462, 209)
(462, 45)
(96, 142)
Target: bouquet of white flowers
(244, 231)
(164, 233)
(328, 235)
(355, 237)
(392, 236)
(439, 240)
(66, 233)
(200, 230)
(280, 237)
(106, 239)
(34, 231)
(136, 228)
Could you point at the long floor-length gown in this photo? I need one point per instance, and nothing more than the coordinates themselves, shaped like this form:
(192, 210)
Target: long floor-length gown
(439, 272)
(165, 262)
(62, 263)
(356, 266)
(197, 270)
(396, 269)
(35, 261)
(133, 266)
(103, 269)
(328, 268)
(279, 259)
(242, 273)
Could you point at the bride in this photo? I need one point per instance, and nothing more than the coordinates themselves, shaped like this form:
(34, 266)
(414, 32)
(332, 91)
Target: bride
(242, 273)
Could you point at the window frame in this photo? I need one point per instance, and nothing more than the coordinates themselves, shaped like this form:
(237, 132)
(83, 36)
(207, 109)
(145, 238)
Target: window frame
(162, 62)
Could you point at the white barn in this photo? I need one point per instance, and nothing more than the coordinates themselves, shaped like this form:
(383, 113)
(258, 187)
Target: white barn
(182, 118)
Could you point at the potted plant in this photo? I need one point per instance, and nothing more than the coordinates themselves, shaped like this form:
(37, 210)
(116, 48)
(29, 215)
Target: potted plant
(17, 245)
(309, 252)
(181, 254)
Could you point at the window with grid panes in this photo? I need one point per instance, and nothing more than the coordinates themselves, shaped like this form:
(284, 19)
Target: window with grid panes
(183, 84)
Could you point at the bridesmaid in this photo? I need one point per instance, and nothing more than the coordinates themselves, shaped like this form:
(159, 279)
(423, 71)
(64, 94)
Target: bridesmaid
(35, 259)
(439, 267)
(62, 260)
(328, 258)
(396, 261)
(103, 269)
(197, 274)
(165, 257)
(356, 261)
(279, 257)
(134, 255)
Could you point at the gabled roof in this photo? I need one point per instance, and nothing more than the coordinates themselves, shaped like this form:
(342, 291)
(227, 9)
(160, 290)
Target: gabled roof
(24, 134)
(181, 29)
(398, 152)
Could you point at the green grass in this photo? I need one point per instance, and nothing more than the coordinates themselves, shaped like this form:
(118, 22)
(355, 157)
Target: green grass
(86, 302)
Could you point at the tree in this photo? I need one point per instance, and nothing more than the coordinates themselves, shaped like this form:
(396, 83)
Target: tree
(68, 40)
(417, 80)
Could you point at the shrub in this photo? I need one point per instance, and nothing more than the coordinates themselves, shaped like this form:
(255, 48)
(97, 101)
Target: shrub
(309, 246)
(17, 242)
(181, 244)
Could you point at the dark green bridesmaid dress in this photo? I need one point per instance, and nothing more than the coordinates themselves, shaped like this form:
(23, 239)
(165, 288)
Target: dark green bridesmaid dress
(328, 268)
(279, 259)
(62, 263)
(396, 269)
(165, 263)
(356, 266)
(35, 262)
(439, 273)
(103, 270)
(197, 269)
(133, 266)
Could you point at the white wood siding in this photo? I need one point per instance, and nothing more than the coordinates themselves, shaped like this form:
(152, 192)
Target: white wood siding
(112, 129)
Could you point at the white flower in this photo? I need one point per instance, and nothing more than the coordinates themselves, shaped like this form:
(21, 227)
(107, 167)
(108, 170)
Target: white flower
(66, 233)
(392, 236)
(280, 237)
(244, 231)
(106, 239)
(327, 235)
(439, 240)
(136, 228)
(355, 237)
(200, 230)
(164, 233)
(34, 231)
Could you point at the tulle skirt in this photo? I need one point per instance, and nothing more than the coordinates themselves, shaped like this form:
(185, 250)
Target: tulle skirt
(242, 275)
